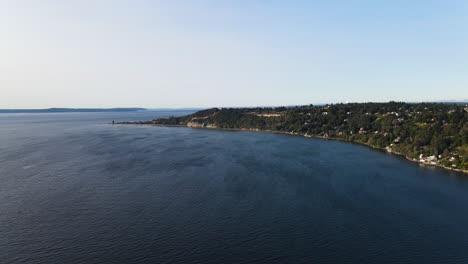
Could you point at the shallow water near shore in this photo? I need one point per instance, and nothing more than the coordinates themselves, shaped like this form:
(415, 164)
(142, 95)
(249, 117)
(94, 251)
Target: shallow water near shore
(75, 189)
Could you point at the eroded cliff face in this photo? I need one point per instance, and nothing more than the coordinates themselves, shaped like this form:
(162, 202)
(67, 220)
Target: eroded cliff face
(196, 124)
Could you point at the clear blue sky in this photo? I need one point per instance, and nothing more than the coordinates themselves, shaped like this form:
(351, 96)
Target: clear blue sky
(173, 53)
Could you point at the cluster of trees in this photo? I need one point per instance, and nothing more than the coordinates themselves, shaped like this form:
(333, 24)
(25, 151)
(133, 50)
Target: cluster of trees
(430, 129)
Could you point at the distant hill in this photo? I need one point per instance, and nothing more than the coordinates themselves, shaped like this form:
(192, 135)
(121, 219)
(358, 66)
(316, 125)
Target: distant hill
(454, 101)
(71, 110)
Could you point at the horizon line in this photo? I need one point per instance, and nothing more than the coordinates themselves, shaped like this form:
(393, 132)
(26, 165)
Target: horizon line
(230, 106)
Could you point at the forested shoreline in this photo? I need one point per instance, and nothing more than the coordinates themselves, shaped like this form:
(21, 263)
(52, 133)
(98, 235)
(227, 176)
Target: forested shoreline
(430, 133)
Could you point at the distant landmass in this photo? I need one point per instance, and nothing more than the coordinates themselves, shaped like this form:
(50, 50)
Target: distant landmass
(454, 101)
(430, 133)
(70, 110)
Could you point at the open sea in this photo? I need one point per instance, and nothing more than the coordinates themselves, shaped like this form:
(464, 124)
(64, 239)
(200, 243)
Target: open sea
(76, 189)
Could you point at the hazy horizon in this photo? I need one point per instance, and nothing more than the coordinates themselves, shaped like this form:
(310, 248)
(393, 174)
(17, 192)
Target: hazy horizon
(228, 106)
(187, 54)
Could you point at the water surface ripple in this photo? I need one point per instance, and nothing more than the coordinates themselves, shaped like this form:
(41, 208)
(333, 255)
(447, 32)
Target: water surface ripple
(77, 190)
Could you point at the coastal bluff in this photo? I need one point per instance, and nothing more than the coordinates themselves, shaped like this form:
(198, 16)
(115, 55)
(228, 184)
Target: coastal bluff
(433, 134)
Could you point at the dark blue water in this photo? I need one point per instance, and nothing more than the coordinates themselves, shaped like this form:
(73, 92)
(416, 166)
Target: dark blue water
(74, 189)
